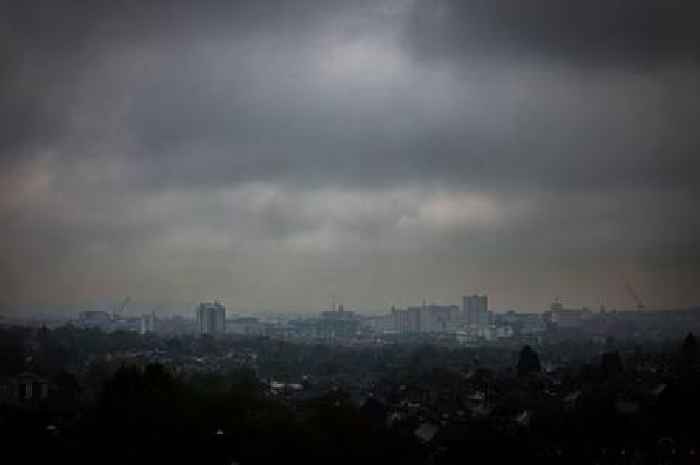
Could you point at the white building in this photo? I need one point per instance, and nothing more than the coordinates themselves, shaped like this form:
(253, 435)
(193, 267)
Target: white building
(425, 319)
(148, 323)
(476, 310)
(211, 318)
(246, 327)
(567, 317)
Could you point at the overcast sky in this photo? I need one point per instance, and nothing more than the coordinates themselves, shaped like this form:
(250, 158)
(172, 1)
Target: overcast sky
(274, 153)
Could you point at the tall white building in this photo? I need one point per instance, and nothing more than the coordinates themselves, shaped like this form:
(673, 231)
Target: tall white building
(211, 318)
(148, 323)
(476, 310)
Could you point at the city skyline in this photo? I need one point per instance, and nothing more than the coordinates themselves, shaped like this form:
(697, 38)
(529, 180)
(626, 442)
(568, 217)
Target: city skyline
(274, 153)
(136, 309)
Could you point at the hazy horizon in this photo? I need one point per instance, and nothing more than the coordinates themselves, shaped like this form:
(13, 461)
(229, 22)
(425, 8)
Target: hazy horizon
(272, 154)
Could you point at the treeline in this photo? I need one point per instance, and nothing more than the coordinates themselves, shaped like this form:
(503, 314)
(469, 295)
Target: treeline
(149, 416)
(629, 408)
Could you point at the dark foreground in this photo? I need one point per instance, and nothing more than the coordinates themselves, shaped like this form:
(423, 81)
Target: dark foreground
(124, 399)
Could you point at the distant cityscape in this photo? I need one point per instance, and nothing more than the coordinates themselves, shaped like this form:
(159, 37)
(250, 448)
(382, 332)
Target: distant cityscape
(471, 323)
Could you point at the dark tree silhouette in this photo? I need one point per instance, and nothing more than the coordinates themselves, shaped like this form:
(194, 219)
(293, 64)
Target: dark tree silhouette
(611, 364)
(689, 352)
(529, 362)
(11, 352)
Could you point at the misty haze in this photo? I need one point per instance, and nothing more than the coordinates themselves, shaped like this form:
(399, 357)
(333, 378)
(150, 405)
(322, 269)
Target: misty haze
(397, 231)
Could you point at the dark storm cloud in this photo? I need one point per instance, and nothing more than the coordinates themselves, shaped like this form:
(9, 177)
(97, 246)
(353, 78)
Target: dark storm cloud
(226, 91)
(46, 46)
(620, 107)
(617, 33)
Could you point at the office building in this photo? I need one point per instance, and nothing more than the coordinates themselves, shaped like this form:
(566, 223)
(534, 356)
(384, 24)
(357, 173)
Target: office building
(475, 309)
(425, 319)
(211, 318)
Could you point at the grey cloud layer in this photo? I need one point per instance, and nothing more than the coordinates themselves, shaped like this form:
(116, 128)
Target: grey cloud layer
(290, 89)
(617, 33)
(202, 146)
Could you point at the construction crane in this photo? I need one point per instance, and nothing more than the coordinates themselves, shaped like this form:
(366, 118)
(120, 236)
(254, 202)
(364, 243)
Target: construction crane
(120, 308)
(640, 304)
